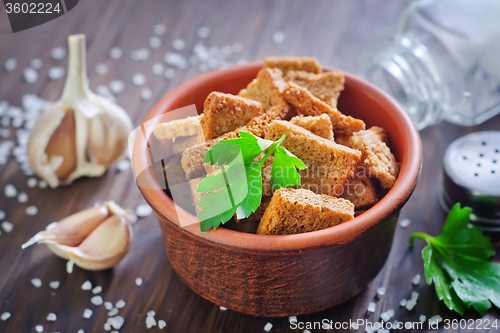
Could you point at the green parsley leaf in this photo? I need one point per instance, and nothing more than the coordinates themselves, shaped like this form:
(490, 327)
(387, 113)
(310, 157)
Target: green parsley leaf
(237, 188)
(458, 263)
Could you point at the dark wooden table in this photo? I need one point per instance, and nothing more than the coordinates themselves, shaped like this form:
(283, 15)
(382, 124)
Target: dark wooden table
(338, 33)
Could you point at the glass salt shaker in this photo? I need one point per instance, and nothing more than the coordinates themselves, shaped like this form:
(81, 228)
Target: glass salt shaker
(443, 62)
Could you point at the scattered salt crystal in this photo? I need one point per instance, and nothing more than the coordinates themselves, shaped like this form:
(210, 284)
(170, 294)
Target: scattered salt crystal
(69, 266)
(381, 291)
(51, 317)
(87, 285)
(158, 68)
(7, 226)
(6, 131)
(97, 290)
(31, 210)
(58, 53)
(371, 307)
(404, 223)
(268, 327)
(143, 210)
(150, 322)
(22, 197)
(403, 302)
(87, 313)
(222, 308)
(422, 318)
(203, 32)
(383, 330)
(2, 214)
(31, 182)
(123, 165)
(278, 37)
(387, 315)
(146, 94)
(113, 312)
(115, 53)
(30, 75)
(107, 327)
(416, 280)
(151, 313)
(36, 63)
(56, 73)
(10, 64)
(36, 282)
(6, 122)
(54, 284)
(17, 122)
(117, 322)
(161, 324)
(414, 295)
(101, 69)
(175, 59)
(140, 54)
(138, 281)
(169, 73)
(42, 184)
(81, 331)
(237, 48)
(307, 331)
(178, 44)
(410, 304)
(117, 86)
(120, 304)
(354, 326)
(108, 305)
(5, 316)
(155, 42)
(159, 29)
(96, 300)
(435, 319)
(138, 79)
(39, 328)
(10, 191)
(292, 319)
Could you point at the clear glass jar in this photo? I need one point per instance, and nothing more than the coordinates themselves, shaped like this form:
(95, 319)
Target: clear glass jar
(443, 63)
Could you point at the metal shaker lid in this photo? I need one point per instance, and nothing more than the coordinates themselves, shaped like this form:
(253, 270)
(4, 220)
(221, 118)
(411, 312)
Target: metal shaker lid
(471, 166)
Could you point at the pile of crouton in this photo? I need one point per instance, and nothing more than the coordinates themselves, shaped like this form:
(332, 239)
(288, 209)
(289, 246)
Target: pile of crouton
(349, 167)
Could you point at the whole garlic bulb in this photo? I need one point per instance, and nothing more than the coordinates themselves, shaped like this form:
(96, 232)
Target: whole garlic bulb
(82, 133)
(94, 239)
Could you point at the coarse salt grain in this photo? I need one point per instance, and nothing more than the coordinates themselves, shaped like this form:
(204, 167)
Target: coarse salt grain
(143, 210)
(140, 54)
(120, 304)
(158, 68)
(87, 313)
(416, 280)
(410, 304)
(31, 210)
(162, 324)
(435, 319)
(81, 331)
(10, 191)
(268, 327)
(107, 327)
(138, 281)
(151, 313)
(222, 308)
(138, 79)
(97, 290)
(54, 284)
(381, 291)
(30, 75)
(159, 29)
(36, 63)
(56, 73)
(371, 307)
(2, 214)
(278, 37)
(292, 319)
(7, 226)
(51, 317)
(36, 282)
(146, 94)
(402, 303)
(32, 182)
(117, 322)
(42, 184)
(22, 197)
(150, 322)
(178, 44)
(39, 328)
(5, 316)
(96, 300)
(113, 312)
(117, 86)
(414, 295)
(101, 69)
(10, 64)
(108, 305)
(422, 318)
(115, 53)
(58, 53)
(155, 42)
(307, 331)
(404, 223)
(69, 266)
(203, 32)
(87, 285)
(169, 73)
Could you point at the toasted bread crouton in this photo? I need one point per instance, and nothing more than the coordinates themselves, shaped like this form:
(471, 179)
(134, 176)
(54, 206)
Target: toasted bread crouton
(180, 127)
(381, 133)
(319, 125)
(309, 105)
(266, 89)
(293, 211)
(225, 112)
(286, 64)
(325, 86)
(377, 156)
(329, 165)
(361, 191)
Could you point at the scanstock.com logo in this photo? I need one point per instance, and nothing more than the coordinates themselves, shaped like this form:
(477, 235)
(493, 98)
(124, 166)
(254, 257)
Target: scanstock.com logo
(26, 14)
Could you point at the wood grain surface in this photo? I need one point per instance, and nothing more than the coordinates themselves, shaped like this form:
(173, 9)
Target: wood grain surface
(338, 33)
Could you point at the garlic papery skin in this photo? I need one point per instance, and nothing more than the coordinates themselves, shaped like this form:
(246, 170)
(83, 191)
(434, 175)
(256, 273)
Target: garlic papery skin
(61, 149)
(94, 239)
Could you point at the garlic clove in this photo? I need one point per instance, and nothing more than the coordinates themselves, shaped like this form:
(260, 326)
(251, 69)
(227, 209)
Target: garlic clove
(104, 247)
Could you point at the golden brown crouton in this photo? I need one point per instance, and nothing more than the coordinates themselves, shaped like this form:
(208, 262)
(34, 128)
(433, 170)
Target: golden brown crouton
(309, 105)
(293, 211)
(377, 156)
(266, 89)
(319, 125)
(286, 64)
(325, 86)
(361, 191)
(223, 113)
(180, 127)
(329, 165)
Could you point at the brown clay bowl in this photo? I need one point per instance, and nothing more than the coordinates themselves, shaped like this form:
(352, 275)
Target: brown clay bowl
(293, 274)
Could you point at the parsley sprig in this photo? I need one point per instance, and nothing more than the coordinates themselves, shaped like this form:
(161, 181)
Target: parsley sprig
(237, 188)
(457, 261)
